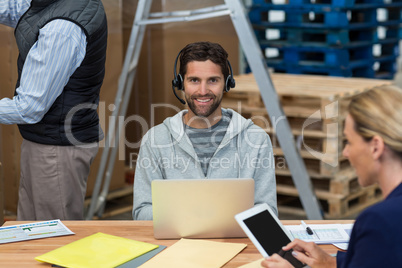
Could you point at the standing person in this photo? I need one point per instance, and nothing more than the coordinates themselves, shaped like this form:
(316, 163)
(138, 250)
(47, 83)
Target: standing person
(205, 141)
(61, 66)
(373, 130)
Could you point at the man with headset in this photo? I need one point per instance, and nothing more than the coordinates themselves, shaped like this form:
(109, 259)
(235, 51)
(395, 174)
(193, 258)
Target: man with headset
(205, 141)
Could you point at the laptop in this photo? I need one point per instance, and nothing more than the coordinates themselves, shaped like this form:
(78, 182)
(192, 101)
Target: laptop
(200, 208)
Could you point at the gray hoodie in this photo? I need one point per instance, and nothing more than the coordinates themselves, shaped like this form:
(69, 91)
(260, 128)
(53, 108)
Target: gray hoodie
(167, 153)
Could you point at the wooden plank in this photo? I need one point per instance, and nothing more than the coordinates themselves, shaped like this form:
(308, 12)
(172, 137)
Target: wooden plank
(339, 188)
(314, 164)
(355, 202)
(334, 206)
(328, 87)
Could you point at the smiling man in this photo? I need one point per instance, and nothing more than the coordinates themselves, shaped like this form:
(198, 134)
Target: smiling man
(205, 141)
(204, 82)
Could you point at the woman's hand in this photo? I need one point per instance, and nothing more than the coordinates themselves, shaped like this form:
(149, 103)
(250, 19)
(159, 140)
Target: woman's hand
(276, 261)
(306, 252)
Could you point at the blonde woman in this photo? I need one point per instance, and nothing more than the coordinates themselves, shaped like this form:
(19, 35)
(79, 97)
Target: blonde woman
(373, 129)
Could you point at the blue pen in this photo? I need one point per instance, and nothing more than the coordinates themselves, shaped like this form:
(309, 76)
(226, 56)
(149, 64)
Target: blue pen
(308, 229)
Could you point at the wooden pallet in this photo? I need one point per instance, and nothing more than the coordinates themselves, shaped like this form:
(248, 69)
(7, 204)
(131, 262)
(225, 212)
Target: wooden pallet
(311, 86)
(334, 207)
(324, 166)
(340, 196)
(315, 107)
(311, 98)
(338, 186)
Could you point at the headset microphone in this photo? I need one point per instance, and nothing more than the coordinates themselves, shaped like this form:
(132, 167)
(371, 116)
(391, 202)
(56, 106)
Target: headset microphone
(174, 92)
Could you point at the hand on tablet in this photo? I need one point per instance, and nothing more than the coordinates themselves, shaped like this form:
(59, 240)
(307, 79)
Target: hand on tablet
(308, 253)
(276, 261)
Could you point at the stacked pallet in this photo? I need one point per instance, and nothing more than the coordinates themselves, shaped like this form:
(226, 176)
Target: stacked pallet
(315, 107)
(349, 38)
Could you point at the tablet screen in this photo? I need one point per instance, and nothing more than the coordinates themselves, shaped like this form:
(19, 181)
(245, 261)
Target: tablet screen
(267, 231)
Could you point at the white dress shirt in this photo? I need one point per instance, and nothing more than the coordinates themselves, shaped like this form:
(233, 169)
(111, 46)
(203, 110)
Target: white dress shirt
(58, 52)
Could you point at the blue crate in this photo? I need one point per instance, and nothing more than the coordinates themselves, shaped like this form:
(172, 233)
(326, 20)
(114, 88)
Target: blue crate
(351, 19)
(324, 57)
(385, 67)
(389, 15)
(390, 31)
(318, 5)
(360, 71)
(330, 37)
(386, 48)
(292, 37)
(286, 37)
(340, 62)
(325, 4)
(335, 3)
(380, 68)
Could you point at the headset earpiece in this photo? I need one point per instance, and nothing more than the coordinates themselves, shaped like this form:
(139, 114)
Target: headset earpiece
(177, 82)
(230, 82)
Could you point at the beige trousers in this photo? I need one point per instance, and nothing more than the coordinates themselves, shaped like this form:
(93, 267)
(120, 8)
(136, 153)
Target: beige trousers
(53, 181)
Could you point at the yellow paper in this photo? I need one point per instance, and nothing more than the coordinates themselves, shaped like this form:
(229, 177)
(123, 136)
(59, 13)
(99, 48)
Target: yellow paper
(193, 253)
(97, 250)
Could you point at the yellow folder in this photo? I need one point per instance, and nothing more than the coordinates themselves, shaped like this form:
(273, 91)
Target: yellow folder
(97, 250)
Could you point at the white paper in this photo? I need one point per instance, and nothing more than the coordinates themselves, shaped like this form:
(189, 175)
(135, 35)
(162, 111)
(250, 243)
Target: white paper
(35, 230)
(348, 229)
(322, 233)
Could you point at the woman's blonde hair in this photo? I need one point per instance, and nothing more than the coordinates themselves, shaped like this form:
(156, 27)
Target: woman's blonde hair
(379, 112)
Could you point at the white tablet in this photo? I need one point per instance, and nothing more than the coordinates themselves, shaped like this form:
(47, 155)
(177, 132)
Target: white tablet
(266, 232)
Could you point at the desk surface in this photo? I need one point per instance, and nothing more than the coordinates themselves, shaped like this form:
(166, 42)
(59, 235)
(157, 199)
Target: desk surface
(22, 254)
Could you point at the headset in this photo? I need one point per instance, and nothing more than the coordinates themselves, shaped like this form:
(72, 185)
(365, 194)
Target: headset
(177, 82)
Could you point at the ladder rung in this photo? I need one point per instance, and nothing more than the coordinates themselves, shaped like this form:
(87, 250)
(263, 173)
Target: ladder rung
(184, 18)
(187, 12)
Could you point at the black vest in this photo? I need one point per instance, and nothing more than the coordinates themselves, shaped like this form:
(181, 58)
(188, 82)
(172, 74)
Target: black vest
(73, 117)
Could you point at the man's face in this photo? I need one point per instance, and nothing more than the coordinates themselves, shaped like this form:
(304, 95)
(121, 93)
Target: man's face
(203, 86)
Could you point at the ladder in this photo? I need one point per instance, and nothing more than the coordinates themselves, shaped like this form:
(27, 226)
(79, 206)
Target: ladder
(252, 51)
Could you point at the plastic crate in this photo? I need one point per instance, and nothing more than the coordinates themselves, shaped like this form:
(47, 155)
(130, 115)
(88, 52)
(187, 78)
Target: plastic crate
(320, 5)
(330, 37)
(385, 67)
(322, 56)
(392, 31)
(351, 19)
(361, 71)
(286, 37)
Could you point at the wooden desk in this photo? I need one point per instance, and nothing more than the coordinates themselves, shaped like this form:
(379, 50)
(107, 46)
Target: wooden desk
(22, 254)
